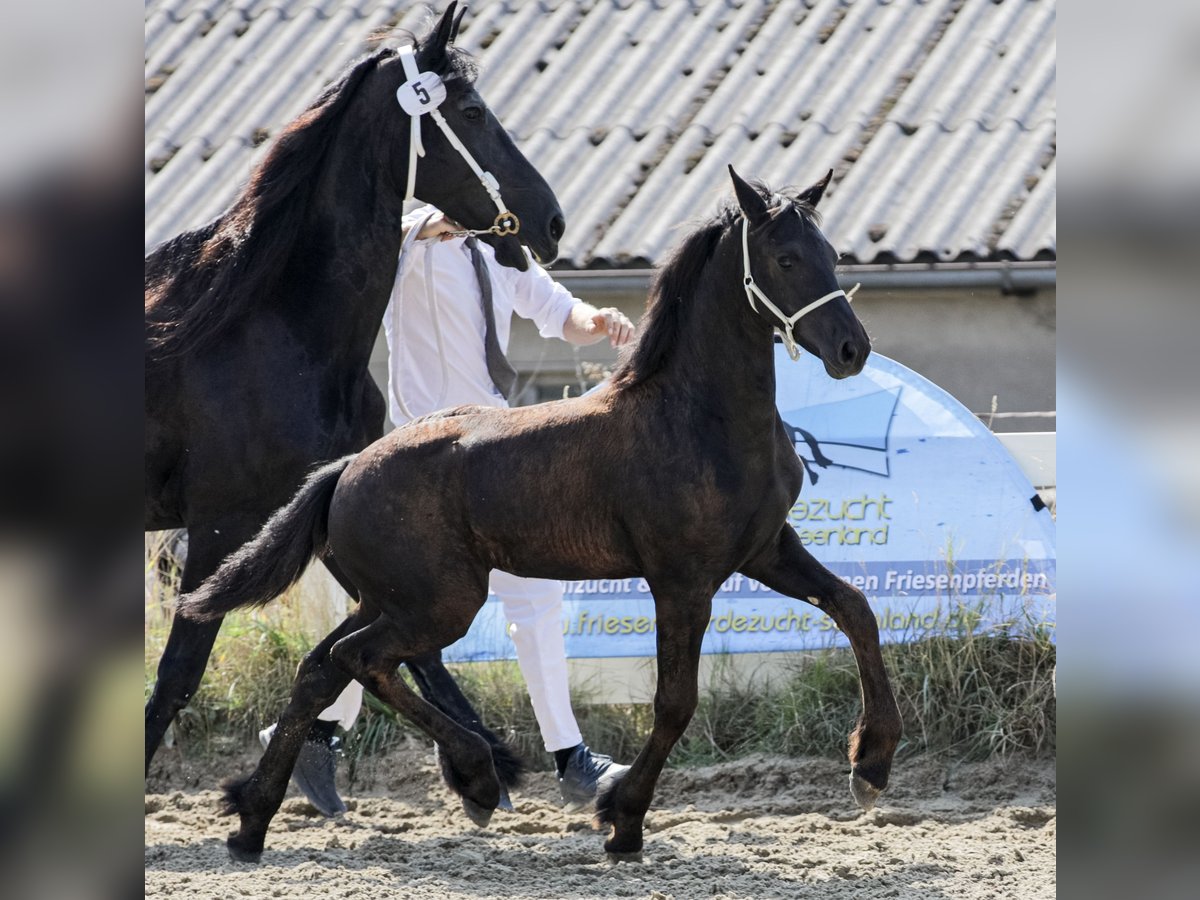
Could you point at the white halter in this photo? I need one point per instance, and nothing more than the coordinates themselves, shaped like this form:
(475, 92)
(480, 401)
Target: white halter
(422, 93)
(789, 322)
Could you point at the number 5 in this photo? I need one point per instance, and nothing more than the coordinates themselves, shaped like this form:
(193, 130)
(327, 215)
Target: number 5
(422, 94)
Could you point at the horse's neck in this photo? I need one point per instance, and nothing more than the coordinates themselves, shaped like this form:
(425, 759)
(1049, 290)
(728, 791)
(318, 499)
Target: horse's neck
(725, 356)
(351, 241)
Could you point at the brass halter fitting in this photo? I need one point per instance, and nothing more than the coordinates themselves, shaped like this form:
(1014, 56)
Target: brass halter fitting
(506, 223)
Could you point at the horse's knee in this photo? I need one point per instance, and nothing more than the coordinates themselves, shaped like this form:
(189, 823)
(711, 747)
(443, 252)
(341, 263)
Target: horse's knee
(849, 598)
(853, 612)
(347, 654)
(311, 663)
(315, 681)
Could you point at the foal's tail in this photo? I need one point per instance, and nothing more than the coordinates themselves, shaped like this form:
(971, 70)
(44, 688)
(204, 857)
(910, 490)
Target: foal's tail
(275, 558)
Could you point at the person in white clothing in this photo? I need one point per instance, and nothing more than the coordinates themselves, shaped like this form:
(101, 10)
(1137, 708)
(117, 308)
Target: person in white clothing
(445, 348)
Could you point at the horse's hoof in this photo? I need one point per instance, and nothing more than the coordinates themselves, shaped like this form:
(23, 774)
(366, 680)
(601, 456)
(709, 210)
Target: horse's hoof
(239, 852)
(633, 856)
(865, 793)
(630, 852)
(480, 815)
(505, 801)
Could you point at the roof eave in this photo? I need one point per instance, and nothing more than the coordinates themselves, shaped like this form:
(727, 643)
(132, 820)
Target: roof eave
(1004, 277)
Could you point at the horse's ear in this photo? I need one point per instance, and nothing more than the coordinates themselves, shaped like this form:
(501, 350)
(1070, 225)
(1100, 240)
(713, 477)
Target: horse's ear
(813, 195)
(457, 22)
(753, 206)
(441, 39)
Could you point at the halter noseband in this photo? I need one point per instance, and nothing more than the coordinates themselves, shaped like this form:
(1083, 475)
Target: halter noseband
(789, 322)
(423, 93)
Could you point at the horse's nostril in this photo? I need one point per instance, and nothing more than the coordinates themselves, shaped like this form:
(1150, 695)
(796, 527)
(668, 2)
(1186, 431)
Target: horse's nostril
(848, 352)
(557, 226)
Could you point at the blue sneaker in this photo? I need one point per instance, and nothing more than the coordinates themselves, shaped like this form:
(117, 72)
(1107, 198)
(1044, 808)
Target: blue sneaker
(316, 770)
(585, 775)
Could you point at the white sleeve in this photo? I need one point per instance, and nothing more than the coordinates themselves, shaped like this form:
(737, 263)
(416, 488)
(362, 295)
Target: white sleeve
(409, 219)
(538, 297)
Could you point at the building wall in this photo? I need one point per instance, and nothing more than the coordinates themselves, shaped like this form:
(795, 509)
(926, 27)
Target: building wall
(973, 344)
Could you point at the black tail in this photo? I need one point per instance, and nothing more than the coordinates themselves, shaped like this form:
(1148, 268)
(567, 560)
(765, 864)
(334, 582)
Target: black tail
(268, 565)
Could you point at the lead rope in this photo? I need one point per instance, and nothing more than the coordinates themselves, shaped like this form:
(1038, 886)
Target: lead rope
(428, 92)
(789, 322)
(431, 299)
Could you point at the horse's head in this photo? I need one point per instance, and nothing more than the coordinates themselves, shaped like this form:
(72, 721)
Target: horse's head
(444, 176)
(789, 279)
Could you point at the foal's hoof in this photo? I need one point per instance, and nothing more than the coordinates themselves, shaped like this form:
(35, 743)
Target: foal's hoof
(505, 801)
(865, 793)
(623, 851)
(480, 815)
(633, 856)
(241, 852)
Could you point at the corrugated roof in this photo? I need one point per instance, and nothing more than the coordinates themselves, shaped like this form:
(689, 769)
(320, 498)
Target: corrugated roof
(938, 117)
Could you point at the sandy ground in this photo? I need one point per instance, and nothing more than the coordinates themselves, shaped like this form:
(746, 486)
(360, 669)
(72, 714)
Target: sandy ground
(756, 828)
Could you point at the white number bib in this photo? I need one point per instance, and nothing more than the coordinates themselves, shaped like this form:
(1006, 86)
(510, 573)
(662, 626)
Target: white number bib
(422, 94)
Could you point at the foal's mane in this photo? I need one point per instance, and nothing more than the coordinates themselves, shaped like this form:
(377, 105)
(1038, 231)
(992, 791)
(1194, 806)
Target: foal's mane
(201, 281)
(678, 280)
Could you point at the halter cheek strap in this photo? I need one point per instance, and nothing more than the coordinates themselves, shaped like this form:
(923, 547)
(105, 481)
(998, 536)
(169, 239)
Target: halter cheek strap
(423, 93)
(789, 322)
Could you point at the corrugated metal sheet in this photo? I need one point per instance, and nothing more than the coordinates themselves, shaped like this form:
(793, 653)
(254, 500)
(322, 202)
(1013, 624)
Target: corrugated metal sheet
(937, 117)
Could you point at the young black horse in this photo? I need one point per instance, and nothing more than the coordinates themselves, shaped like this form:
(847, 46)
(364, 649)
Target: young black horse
(260, 324)
(704, 470)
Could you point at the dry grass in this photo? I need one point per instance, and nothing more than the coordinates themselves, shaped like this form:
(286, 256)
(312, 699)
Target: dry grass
(250, 672)
(969, 696)
(966, 694)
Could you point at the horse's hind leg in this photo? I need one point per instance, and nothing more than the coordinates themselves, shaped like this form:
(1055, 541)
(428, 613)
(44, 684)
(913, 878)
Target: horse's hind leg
(189, 643)
(256, 798)
(786, 566)
(371, 656)
(439, 688)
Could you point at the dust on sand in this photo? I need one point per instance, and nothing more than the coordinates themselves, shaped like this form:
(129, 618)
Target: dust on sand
(761, 827)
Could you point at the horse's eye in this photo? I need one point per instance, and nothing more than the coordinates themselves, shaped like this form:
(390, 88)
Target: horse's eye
(472, 113)
(785, 262)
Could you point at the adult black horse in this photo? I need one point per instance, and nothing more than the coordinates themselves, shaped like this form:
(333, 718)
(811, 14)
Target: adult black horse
(706, 471)
(259, 325)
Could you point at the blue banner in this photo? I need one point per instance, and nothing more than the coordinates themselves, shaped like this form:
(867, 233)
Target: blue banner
(907, 496)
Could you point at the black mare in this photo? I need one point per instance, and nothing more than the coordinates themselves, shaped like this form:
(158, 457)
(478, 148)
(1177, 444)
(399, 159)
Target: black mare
(260, 325)
(679, 470)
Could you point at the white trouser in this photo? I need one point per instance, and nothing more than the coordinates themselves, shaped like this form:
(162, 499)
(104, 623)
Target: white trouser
(533, 610)
(346, 707)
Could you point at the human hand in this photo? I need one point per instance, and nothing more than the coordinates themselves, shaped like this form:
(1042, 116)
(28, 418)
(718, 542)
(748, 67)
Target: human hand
(615, 324)
(439, 226)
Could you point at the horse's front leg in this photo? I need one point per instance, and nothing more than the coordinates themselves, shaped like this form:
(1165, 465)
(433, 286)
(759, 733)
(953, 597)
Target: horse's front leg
(682, 618)
(790, 569)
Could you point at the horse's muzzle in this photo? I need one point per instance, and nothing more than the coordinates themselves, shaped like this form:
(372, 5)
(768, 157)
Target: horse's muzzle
(849, 359)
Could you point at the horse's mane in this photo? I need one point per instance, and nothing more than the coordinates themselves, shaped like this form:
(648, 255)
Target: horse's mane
(678, 280)
(200, 281)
